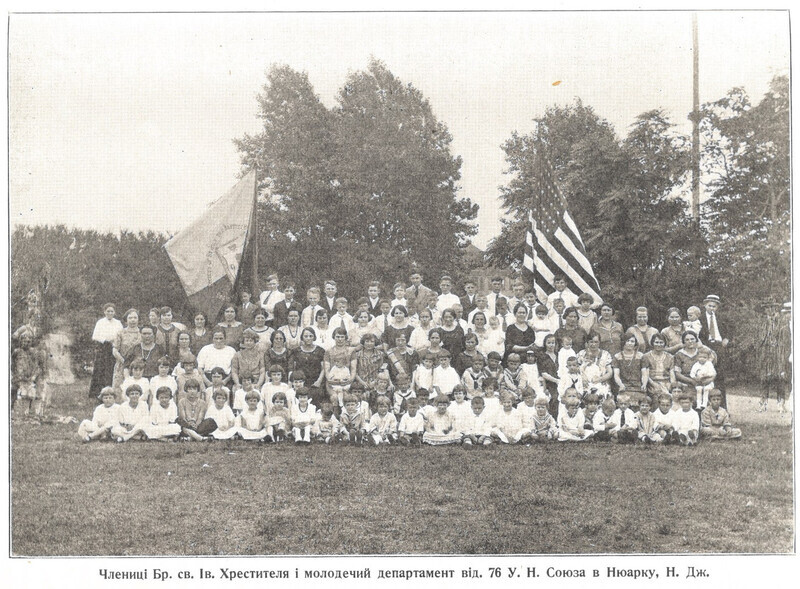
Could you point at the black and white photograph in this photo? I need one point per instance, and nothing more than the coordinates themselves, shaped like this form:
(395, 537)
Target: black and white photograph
(452, 284)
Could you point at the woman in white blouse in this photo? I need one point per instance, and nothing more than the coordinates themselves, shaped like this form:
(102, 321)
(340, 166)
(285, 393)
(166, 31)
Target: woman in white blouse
(104, 334)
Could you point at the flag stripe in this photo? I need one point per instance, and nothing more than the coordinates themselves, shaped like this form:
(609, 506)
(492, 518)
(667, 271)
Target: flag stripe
(578, 256)
(553, 244)
(559, 256)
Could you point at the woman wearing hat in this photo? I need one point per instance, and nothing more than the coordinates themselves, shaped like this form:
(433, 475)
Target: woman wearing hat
(104, 334)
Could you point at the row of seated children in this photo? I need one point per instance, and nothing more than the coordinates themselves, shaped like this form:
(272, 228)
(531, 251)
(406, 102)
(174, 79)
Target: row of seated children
(412, 419)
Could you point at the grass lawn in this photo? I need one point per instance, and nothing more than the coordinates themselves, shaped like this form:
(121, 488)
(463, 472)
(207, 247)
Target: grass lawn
(238, 498)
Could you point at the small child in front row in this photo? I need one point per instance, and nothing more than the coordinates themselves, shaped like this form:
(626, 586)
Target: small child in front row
(606, 421)
(352, 419)
(132, 418)
(412, 424)
(664, 413)
(252, 422)
(382, 428)
(509, 427)
(439, 427)
(686, 422)
(715, 422)
(628, 428)
(512, 380)
(647, 429)
(543, 426)
(459, 408)
(223, 416)
(571, 423)
(703, 371)
(303, 415)
(278, 419)
(591, 402)
(105, 416)
(192, 414)
(479, 429)
(163, 416)
(472, 379)
(326, 427)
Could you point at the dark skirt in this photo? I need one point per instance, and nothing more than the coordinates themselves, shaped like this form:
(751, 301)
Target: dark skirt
(103, 373)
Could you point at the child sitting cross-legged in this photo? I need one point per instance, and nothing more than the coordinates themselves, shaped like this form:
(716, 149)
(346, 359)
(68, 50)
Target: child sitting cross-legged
(105, 416)
(606, 421)
(382, 427)
(133, 416)
(628, 428)
(686, 422)
(571, 422)
(326, 427)
(439, 426)
(715, 422)
(412, 424)
(478, 431)
(192, 414)
(509, 427)
(352, 419)
(647, 429)
(223, 416)
(543, 425)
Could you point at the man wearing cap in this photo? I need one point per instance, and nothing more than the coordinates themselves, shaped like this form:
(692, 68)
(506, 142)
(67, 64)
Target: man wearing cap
(716, 335)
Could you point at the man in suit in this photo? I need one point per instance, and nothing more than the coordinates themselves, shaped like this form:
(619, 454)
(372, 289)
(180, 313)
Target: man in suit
(328, 302)
(518, 288)
(468, 301)
(374, 296)
(491, 298)
(282, 308)
(247, 310)
(717, 335)
(418, 293)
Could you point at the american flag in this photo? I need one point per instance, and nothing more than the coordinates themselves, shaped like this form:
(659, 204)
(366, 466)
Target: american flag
(553, 244)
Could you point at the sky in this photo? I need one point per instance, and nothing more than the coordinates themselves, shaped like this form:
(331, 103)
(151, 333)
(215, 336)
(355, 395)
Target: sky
(126, 121)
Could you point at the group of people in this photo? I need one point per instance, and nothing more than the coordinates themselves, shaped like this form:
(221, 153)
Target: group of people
(423, 366)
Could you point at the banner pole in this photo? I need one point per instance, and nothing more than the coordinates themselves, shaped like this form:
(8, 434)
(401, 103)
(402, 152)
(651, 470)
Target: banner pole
(255, 287)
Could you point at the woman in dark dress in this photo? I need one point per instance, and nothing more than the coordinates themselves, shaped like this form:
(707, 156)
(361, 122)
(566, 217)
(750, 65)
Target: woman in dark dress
(308, 358)
(572, 329)
(452, 334)
(520, 336)
(104, 334)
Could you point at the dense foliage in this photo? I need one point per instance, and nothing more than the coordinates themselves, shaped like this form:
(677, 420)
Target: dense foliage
(368, 188)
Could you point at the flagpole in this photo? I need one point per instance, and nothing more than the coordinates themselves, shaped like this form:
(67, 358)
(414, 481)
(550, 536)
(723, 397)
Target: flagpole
(255, 287)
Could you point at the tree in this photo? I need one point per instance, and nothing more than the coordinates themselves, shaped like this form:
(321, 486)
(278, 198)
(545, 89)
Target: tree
(360, 191)
(747, 159)
(623, 196)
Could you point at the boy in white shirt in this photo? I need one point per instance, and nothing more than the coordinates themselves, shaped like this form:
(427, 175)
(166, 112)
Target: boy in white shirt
(382, 427)
(447, 299)
(479, 427)
(412, 425)
(628, 426)
(402, 393)
(664, 414)
(606, 421)
(686, 422)
(571, 378)
(571, 423)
